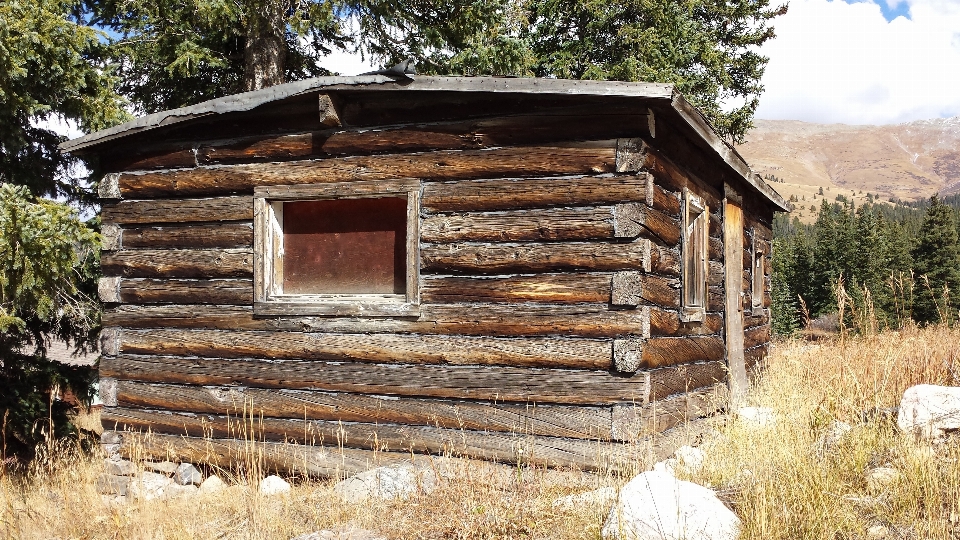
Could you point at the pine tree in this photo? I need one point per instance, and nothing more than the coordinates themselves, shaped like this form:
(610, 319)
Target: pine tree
(936, 259)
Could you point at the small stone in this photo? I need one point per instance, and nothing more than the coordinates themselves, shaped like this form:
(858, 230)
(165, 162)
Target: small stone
(110, 442)
(164, 467)
(108, 484)
(274, 485)
(119, 467)
(149, 486)
(342, 534)
(212, 484)
(176, 491)
(757, 416)
(187, 474)
(877, 532)
(398, 481)
(881, 477)
(598, 497)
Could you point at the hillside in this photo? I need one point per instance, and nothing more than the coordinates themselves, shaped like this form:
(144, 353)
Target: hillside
(907, 161)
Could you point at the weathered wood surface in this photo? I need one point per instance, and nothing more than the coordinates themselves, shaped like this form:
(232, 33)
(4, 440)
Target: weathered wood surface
(753, 337)
(517, 193)
(179, 263)
(631, 422)
(636, 288)
(180, 210)
(316, 461)
(662, 352)
(546, 257)
(582, 158)
(182, 291)
(559, 288)
(582, 223)
(553, 420)
(756, 355)
(489, 383)
(384, 348)
(586, 320)
(734, 301)
(499, 446)
(200, 236)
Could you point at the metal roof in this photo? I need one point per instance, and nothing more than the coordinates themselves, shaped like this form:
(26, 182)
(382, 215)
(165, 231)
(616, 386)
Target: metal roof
(666, 94)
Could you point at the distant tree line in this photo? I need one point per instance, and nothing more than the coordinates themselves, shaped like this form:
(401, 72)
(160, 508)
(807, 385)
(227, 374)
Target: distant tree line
(894, 263)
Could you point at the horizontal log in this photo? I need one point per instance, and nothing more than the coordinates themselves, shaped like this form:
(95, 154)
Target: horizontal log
(179, 210)
(586, 320)
(220, 235)
(559, 288)
(685, 378)
(662, 199)
(552, 420)
(488, 383)
(496, 446)
(754, 357)
(179, 263)
(583, 223)
(384, 348)
(669, 351)
(517, 193)
(758, 335)
(635, 422)
(636, 288)
(546, 257)
(579, 158)
(328, 461)
(182, 291)
(750, 320)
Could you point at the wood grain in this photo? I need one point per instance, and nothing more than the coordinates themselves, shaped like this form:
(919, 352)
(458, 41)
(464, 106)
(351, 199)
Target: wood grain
(179, 263)
(200, 236)
(179, 210)
(183, 291)
(558, 288)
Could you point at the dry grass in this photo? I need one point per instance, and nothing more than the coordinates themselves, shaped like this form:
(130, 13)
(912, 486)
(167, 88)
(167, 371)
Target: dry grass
(796, 486)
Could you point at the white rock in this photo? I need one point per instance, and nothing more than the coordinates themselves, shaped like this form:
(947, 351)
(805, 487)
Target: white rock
(274, 485)
(119, 467)
(389, 482)
(928, 410)
(667, 466)
(149, 486)
(176, 491)
(690, 458)
(757, 416)
(163, 467)
(187, 474)
(597, 497)
(212, 484)
(881, 477)
(877, 532)
(109, 484)
(657, 506)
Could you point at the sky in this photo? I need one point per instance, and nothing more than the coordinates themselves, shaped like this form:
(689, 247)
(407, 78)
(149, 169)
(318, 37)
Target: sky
(866, 62)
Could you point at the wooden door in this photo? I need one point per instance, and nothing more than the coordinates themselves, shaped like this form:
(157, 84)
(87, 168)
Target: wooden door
(733, 287)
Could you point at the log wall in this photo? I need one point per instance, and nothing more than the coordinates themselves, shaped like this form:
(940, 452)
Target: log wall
(549, 286)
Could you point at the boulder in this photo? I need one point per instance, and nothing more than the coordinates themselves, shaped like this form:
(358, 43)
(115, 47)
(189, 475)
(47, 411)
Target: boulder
(274, 485)
(686, 459)
(187, 474)
(879, 478)
(657, 506)
(149, 485)
(212, 484)
(176, 491)
(342, 534)
(110, 442)
(119, 467)
(110, 484)
(757, 416)
(928, 411)
(598, 497)
(163, 467)
(390, 482)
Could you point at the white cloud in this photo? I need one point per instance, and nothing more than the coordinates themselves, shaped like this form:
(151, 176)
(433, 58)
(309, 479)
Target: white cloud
(840, 62)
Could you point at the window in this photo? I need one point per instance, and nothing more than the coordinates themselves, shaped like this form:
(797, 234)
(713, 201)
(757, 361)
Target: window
(696, 222)
(338, 249)
(759, 276)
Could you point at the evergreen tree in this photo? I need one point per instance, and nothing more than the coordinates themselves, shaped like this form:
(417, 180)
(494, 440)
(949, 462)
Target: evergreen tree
(936, 259)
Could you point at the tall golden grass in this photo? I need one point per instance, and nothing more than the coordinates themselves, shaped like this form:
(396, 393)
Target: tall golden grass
(784, 480)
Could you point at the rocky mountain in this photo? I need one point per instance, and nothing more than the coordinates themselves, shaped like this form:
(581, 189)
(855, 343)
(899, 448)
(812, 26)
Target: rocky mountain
(907, 161)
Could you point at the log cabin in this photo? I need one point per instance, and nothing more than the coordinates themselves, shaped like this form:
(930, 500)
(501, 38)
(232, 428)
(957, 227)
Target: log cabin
(501, 268)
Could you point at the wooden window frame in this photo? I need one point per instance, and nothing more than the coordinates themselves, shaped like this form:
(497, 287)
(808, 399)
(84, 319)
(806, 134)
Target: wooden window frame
(758, 278)
(268, 252)
(696, 218)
